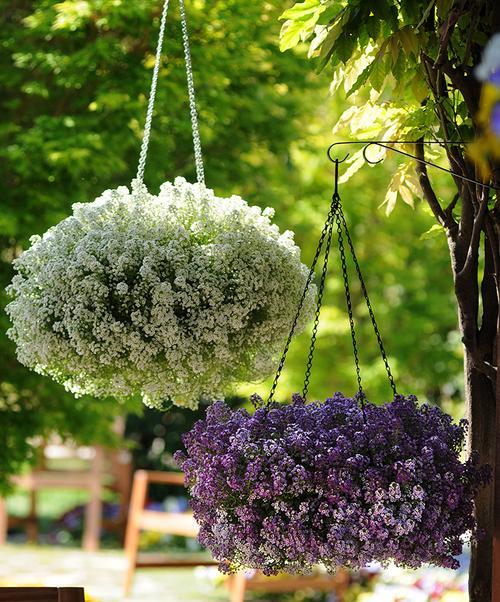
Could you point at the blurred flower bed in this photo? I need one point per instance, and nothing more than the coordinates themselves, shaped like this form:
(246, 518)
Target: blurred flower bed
(376, 584)
(428, 584)
(391, 584)
(425, 585)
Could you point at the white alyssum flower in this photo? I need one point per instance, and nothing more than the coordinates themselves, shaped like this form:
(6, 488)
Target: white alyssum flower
(172, 297)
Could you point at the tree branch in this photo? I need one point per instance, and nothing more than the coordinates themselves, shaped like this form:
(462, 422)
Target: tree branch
(468, 86)
(483, 366)
(487, 332)
(446, 31)
(437, 84)
(445, 219)
(472, 252)
(452, 205)
(467, 291)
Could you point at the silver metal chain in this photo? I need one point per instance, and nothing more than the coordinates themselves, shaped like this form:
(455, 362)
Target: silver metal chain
(191, 93)
(152, 96)
(198, 158)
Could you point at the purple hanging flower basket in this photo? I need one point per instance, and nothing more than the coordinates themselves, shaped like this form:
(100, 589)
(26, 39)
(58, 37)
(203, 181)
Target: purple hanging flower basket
(292, 486)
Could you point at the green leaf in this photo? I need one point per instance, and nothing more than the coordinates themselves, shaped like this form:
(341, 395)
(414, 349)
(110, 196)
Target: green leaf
(363, 38)
(420, 121)
(345, 46)
(301, 20)
(291, 33)
(373, 27)
(409, 41)
(390, 200)
(466, 131)
(448, 107)
(378, 72)
(328, 45)
(443, 8)
(432, 232)
(303, 10)
(426, 13)
(387, 13)
(361, 80)
(329, 14)
(406, 195)
(399, 68)
(394, 50)
(419, 88)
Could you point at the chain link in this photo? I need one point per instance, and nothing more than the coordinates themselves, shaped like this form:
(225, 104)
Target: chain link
(321, 290)
(152, 95)
(324, 234)
(335, 218)
(367, 301)
(347, 291)
(198, 157)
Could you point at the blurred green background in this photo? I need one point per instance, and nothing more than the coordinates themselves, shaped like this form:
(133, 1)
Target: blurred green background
(75, 77)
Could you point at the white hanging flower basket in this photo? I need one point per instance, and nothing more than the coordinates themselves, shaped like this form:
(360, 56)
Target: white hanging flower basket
(171, 296)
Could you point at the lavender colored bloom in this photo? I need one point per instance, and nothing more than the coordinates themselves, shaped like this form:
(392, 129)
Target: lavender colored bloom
(296, 485)
(495, 118)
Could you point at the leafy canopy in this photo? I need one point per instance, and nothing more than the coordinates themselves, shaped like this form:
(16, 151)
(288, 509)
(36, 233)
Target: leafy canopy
(407, 65)
(75, 76)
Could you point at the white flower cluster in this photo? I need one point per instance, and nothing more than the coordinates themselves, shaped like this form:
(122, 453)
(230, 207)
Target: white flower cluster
(171, 296)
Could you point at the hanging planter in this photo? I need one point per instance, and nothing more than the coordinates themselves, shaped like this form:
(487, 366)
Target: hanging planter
(296, 485)
(339, 483)
(170, 296)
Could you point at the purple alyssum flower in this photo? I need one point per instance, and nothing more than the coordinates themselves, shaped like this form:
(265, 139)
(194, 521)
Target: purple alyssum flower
(291, 486)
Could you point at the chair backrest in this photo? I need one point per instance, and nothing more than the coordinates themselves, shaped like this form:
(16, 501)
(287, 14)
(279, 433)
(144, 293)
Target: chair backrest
(41, 594)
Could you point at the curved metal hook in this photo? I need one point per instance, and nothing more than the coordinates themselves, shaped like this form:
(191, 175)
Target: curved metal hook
(365, 156)
(328, 153)
(388, 145)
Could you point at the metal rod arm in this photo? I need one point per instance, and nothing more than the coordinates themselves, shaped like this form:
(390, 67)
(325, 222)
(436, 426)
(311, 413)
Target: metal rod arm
(387, 144)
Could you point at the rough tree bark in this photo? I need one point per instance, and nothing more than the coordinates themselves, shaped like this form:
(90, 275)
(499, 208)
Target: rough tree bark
(477, 292)
(471, 222)
(478, 319)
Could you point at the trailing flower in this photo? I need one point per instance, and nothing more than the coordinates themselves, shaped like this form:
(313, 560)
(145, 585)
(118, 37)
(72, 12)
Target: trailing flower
(171, 296)
(296, 485)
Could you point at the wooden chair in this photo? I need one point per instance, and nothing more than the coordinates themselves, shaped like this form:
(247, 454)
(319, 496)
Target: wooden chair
(41, 594)
(101, 468)
(240, 583)
(42, 477)
(172, 523)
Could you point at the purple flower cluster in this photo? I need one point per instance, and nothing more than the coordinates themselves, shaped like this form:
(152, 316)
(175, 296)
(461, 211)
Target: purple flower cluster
(295, 485)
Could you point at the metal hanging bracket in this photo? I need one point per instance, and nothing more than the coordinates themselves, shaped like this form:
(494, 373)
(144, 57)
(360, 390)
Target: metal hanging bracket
(389, 145)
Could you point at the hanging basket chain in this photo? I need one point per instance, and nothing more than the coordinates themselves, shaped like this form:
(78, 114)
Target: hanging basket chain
(335, 218)
(367, 301)
(152, 95)
(198, 157)
(310, 276)
(319, 302)
(347, 291)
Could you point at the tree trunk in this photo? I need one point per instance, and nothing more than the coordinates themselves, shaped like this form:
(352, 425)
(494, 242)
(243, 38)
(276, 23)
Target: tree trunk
(480, 404)
(477, 295)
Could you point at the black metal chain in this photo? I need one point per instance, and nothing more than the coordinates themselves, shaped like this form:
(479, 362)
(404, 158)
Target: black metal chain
(335, 217)
(319, 301)
(324, 234)
(383, 353)
(347, 292)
